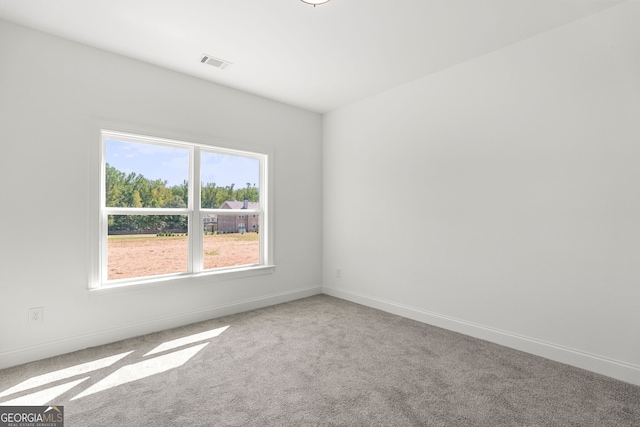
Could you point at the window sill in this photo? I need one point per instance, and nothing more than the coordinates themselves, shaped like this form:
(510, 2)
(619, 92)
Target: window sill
(205, 277)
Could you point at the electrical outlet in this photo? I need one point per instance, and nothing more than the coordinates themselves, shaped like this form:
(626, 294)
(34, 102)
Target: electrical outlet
(36, 315)
(338, 272)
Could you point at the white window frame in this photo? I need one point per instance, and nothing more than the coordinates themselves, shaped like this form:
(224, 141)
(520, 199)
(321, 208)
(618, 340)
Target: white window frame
(98, 272)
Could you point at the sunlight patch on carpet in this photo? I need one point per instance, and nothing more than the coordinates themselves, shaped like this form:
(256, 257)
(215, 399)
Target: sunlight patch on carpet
(140, 370)
(65, 373)
(123, 375)
(170, 345)
(41, 397)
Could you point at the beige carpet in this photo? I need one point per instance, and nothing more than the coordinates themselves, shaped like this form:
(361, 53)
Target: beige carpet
(317, 361)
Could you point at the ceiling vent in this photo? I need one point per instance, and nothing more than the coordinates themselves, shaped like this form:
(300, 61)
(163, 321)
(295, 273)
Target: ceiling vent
(216, 62)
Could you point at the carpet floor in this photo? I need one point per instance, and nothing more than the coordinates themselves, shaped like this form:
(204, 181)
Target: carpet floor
(318, 361)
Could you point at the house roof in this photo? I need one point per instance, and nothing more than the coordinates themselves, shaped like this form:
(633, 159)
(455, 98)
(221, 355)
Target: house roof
(234, 204)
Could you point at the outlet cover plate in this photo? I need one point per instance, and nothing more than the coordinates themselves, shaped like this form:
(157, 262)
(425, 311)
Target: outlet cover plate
(36, 315)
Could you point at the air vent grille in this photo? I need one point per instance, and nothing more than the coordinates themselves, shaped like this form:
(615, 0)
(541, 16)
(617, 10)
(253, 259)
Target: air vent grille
(215, 62)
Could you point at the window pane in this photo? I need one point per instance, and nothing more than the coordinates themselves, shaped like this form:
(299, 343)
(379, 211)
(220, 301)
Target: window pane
(142, 175)
(227, 178)
(146, 245)
(231, 240)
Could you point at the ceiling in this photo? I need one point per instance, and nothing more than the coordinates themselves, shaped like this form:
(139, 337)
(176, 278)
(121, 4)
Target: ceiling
(317, 58)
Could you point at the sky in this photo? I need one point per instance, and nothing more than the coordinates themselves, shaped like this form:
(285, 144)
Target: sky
(172, 164)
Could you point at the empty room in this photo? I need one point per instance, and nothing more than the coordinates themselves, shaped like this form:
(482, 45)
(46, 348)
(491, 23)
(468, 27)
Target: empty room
(320, 212)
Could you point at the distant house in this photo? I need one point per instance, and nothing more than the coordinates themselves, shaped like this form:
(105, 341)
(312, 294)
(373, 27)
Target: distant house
(210, 222)
(234, 223)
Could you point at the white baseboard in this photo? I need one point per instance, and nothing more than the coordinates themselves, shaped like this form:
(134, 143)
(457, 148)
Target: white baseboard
(53, 348)
(602, 365)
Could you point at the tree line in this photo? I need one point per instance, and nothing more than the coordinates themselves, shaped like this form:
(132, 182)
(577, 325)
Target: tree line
(135, 191)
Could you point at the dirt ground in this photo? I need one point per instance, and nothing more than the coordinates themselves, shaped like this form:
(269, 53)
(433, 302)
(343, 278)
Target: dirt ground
(149, 255)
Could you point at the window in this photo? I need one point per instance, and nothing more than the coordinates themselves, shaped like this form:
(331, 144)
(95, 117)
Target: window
(173, 209)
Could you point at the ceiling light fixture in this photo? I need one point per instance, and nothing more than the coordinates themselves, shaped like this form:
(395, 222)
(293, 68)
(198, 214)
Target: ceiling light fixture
(314, 2)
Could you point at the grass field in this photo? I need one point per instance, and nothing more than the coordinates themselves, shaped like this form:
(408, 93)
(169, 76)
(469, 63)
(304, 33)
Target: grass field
(150, 255)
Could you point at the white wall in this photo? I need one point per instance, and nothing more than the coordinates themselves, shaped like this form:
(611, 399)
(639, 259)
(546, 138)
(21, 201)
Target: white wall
(500, 198)
(51, 91)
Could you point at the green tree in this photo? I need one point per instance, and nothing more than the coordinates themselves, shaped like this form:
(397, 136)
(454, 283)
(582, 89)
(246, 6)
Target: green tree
(134, 190)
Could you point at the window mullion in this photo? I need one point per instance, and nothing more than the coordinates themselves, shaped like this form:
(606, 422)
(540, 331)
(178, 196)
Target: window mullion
(265, 249)
(104, 234)
(146, 211)
(196, 238)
